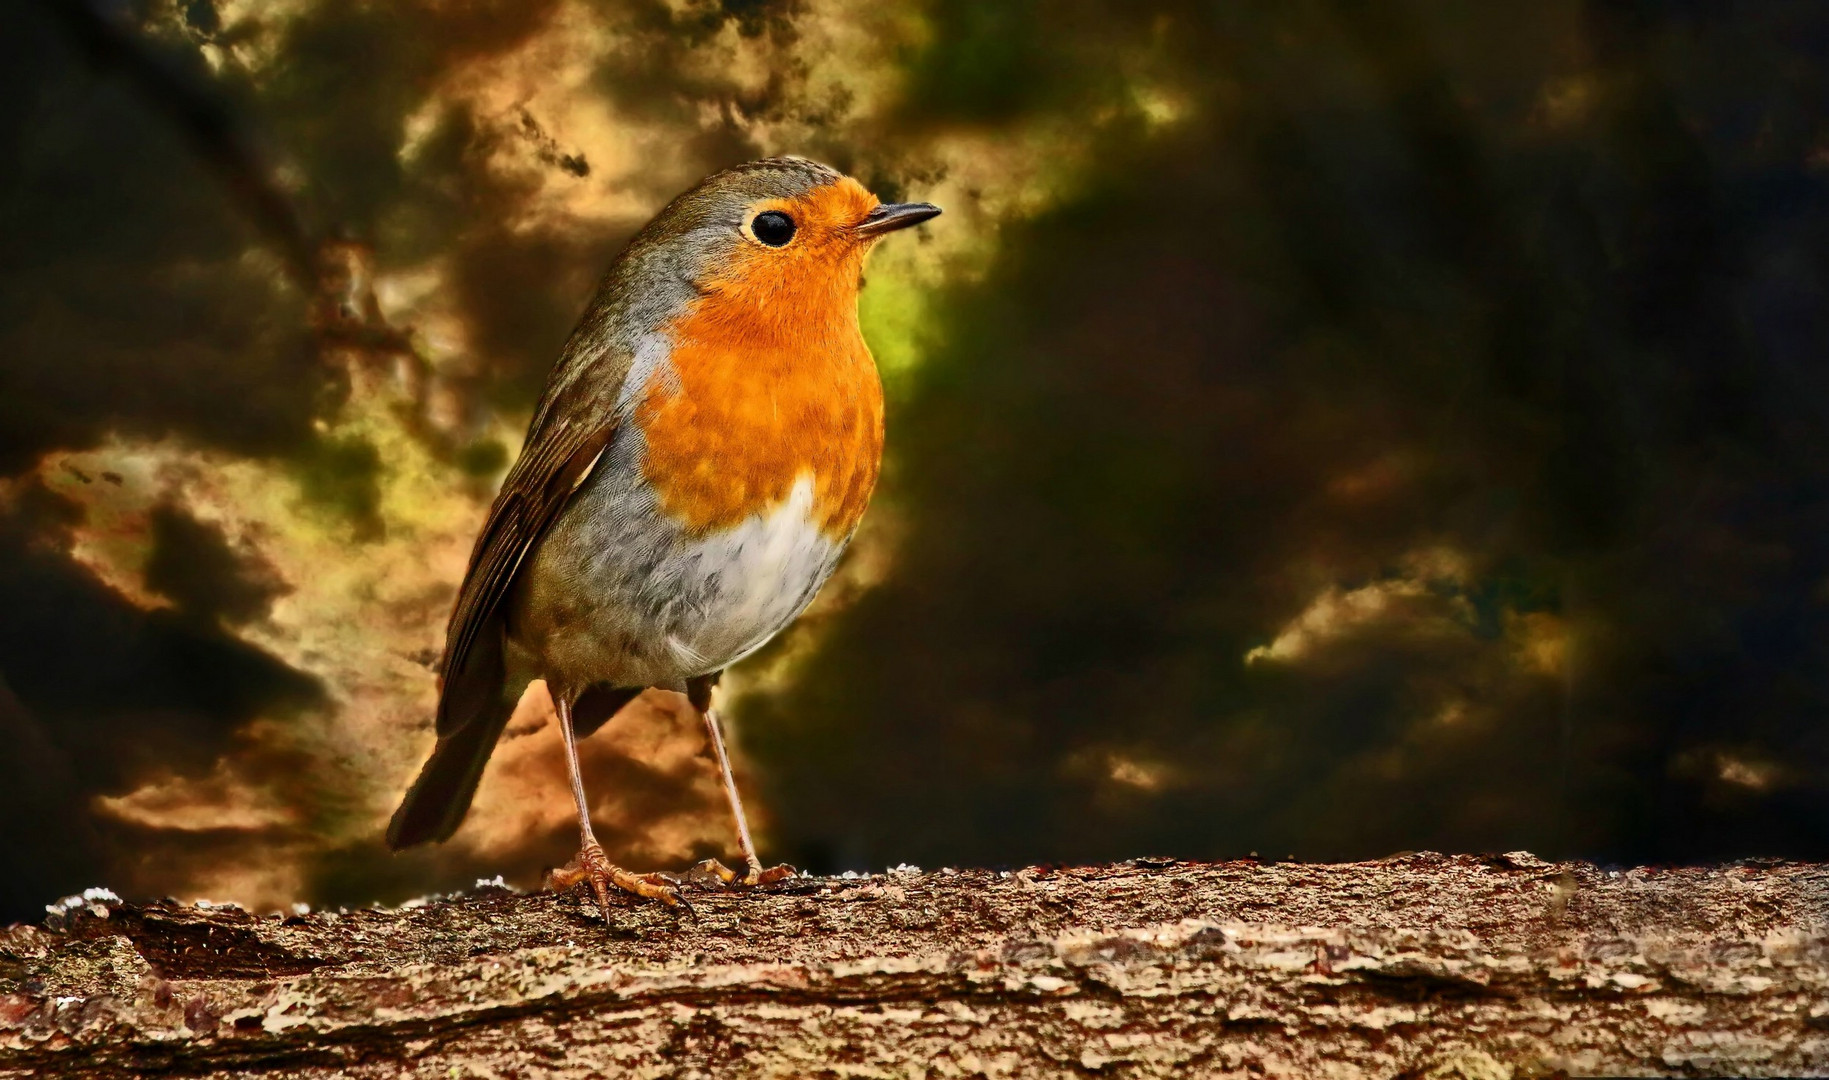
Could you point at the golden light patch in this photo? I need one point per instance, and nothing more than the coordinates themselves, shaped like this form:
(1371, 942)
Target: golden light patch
(1542, 640)
(1746, 773)
(218, 800)
(1412, 598)
(773, 380)
(1333, 613)
(1142, 775)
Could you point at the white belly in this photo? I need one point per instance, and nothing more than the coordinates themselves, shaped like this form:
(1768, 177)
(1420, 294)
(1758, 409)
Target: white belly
(619, 593)
(756, 578)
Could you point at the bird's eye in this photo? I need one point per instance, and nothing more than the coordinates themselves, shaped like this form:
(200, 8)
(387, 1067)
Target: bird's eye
(773, 228)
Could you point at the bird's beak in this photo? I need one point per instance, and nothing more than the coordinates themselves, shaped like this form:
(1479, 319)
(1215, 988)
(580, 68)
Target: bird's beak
(889, 217)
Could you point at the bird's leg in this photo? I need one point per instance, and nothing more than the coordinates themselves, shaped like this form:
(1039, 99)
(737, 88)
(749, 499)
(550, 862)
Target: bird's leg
(591, 865)
(698, 691)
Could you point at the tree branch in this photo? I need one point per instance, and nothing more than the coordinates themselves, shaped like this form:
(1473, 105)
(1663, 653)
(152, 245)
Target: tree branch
(1420, 965)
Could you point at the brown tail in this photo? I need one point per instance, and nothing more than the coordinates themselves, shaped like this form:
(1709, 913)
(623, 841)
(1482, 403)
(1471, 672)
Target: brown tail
(472, 711)
(436, 803)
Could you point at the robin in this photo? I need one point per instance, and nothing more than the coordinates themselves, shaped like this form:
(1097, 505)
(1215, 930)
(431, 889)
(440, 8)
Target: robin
(703, 452)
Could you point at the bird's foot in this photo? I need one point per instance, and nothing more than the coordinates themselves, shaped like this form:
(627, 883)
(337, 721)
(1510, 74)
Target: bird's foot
(591, 866)
(756, 875)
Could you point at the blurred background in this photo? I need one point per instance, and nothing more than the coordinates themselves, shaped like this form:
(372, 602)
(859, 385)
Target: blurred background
(1317, 429)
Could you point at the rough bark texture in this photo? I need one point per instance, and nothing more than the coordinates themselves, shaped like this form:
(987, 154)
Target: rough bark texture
(1421, 966)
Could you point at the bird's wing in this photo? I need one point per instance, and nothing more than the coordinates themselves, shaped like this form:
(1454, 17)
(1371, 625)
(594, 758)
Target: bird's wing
(571, 429)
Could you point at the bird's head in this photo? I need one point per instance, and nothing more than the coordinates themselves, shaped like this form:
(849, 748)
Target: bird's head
(780, 241)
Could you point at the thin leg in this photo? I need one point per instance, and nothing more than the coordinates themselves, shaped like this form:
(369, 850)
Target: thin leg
(591, 865)
(700, 696)
(562, 706)
(715, 731)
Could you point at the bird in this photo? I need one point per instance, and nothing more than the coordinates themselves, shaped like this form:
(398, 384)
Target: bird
(703, 451)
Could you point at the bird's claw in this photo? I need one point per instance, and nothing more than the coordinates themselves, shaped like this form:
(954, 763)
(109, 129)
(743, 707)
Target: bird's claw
(755, 876)
(591, 866)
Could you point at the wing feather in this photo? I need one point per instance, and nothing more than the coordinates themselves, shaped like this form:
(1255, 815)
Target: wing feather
(572, 428)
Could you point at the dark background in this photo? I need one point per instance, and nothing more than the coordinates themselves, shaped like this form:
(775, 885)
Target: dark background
(1467, 361)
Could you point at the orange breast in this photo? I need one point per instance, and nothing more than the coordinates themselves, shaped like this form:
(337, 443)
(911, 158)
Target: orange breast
(769, 385)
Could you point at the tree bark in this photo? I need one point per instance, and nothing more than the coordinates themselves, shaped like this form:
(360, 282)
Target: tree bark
(1417, 966)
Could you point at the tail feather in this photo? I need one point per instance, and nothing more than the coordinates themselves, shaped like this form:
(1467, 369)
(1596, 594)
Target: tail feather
(472, 711)
(436, 803)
